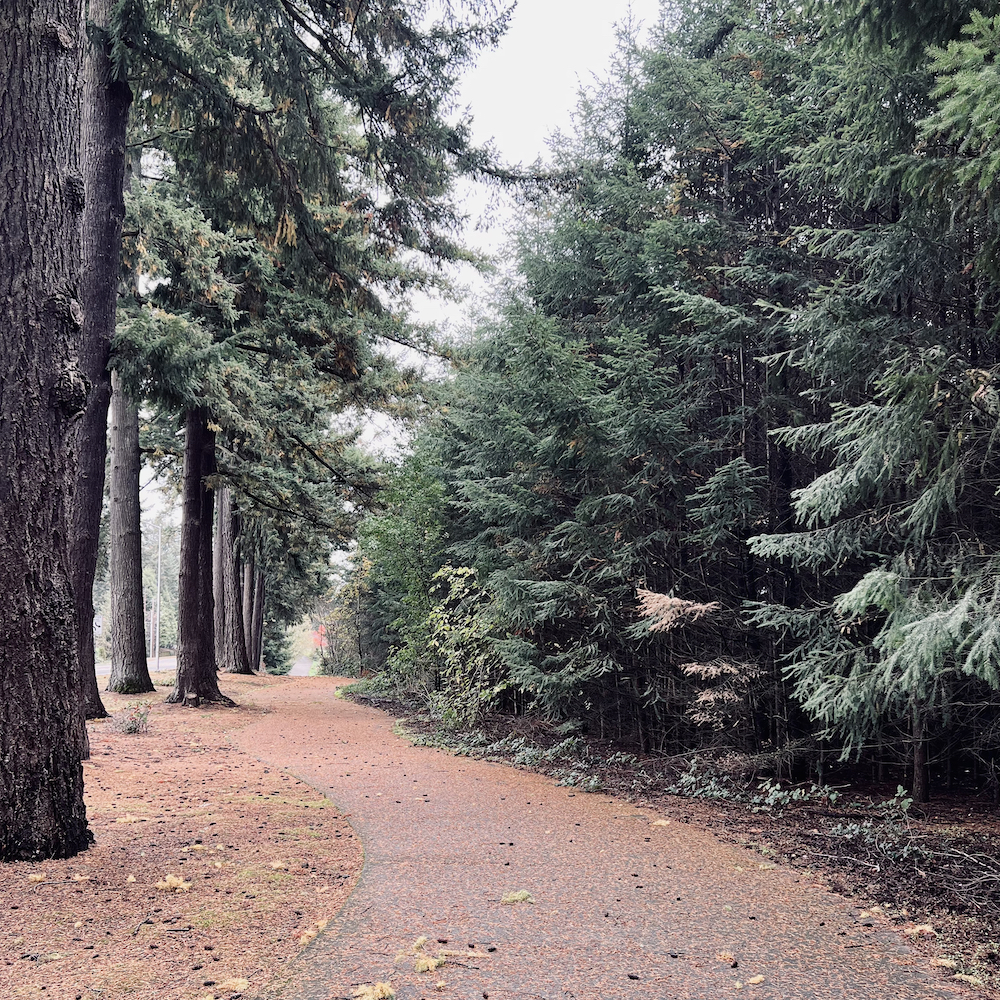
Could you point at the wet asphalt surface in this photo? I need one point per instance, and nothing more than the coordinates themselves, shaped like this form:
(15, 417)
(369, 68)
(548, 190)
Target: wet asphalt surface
(623, 906)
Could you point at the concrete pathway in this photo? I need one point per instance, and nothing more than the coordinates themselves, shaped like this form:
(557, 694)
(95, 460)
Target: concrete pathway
(624, 904)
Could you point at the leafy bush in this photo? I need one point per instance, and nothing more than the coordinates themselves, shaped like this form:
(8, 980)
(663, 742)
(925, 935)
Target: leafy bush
(132, 720)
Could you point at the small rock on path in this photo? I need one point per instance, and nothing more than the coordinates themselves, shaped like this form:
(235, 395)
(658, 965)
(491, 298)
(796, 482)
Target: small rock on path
(622, 907)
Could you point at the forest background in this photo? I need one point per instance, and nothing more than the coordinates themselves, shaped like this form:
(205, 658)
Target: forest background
(716, 470)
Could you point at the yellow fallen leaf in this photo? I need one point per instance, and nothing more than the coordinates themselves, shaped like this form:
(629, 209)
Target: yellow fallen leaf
(36, 877)
(235, 985)
(755, 980)
(920, 930)
(379, 991)
(427, 963)
(131, 878)
(173, 884)
(971, 980)
(521, 896)
(81, 878)
(441, 985)
(279, 865)
(944, 963)
(660, 822)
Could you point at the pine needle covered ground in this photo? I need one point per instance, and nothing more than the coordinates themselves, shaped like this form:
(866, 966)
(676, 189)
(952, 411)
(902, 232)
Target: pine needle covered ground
(209, 871)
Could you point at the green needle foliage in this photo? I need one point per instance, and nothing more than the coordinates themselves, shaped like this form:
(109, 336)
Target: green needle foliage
(748, 365)
(296, 163)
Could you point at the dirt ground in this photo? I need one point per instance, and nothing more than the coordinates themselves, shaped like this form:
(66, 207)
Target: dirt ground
(208, 872)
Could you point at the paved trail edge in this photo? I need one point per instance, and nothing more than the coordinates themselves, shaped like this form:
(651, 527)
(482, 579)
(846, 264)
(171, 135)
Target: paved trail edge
(623, 902)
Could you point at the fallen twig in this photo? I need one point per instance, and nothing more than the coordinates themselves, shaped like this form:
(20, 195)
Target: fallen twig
(857, 861)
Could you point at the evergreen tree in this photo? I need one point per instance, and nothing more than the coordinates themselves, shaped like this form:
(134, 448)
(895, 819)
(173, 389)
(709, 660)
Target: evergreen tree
(129, 673)
(259, 129)
(42, 731)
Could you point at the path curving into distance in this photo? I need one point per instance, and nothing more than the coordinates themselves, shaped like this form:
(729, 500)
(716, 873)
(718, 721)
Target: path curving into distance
(622, 908)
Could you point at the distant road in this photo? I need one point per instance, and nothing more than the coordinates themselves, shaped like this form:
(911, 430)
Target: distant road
(300, 668)
(166, 663)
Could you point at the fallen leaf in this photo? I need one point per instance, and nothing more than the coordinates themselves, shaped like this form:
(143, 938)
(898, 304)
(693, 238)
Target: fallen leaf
(660, 822)
(944, 963)
(131, 878)
(521, 896)
(173, 884)
(235, 985)
(971, 980)
(755, 980)
(379, 991)
(35, 877)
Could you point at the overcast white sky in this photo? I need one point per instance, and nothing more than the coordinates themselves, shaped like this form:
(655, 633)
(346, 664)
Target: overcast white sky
(521, 92)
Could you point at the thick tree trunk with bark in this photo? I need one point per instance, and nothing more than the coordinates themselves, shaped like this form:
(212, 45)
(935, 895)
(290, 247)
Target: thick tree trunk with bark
(129, 673)
(257, 624)
(220, 604)
(42, 394)
(105, 119)
(249, 576)
(230, 644)
(196, 669)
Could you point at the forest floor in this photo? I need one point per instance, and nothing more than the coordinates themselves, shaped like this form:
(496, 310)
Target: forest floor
(933, 870)
(208, 873)
(212, 871)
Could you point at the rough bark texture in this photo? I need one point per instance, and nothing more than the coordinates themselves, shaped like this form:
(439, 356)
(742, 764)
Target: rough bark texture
(220, 604)
(105, 119)
(230, 643)
(196, 668)
(129, 673)
(249, 575)
(257, 624)
(42, 393)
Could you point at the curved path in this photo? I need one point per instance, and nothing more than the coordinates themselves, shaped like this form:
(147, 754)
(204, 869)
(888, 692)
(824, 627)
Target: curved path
(622, 907)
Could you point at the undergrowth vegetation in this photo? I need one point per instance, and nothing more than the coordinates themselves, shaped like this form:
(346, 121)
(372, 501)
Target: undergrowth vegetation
(716, 472)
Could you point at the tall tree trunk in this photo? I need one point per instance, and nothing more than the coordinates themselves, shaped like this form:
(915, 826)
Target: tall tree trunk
(921, 772)
(105, 118)
(196, 669)
(257, 624)
(217, 596)
(42, 728)
(230, 644)
(129, 673)
(249, 576)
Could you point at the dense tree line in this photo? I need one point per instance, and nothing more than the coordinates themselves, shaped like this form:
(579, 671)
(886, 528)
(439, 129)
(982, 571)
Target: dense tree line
(226, 208)
(720, 471)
